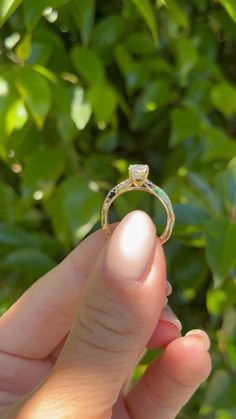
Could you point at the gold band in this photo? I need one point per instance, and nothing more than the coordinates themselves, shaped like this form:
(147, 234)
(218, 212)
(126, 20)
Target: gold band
(138, 180)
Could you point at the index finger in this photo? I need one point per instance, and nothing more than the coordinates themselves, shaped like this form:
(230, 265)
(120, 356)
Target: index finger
(40, 319)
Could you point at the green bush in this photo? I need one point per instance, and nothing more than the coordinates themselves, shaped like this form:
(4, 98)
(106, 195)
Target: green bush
(85, 89)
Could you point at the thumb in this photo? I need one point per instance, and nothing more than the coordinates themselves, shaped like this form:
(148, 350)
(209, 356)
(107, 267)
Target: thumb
(118, 312)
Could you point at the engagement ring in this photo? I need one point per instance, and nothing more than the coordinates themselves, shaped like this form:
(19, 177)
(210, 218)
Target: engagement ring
(138, 180)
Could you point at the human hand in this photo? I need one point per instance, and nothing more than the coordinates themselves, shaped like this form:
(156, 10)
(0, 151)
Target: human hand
(70, 343)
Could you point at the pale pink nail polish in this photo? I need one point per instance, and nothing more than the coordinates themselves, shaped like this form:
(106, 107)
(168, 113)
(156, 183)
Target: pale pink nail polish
(168, 315)
(200, 334)
(132, 247)
(168, 288)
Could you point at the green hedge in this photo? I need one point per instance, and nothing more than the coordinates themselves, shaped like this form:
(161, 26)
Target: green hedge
(85, 89)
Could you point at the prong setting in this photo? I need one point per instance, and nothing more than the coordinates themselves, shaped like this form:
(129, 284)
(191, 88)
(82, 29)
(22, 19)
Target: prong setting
(138, 173)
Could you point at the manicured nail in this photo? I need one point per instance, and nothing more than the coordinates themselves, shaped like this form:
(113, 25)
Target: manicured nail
(168, 288)
(200, 334)
(132, 247)
(168, 315)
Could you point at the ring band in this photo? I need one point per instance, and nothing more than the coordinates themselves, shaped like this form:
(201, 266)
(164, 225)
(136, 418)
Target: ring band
(138, 180)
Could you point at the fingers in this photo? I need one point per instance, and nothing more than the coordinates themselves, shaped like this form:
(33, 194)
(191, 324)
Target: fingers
(121, 303)
(13, 368)
(170, 381)
(167, 329)
(50, 304)
(20, 375)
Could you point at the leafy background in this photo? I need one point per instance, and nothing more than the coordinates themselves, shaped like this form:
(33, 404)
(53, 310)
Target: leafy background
(85, 89)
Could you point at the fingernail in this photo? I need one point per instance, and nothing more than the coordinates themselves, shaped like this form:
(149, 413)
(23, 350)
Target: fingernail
(168, 315)
(132, 247)
(200, 334)
(168, 288)
(166, 302)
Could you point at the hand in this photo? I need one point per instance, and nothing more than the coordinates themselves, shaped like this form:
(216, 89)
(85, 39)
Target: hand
(70, 343)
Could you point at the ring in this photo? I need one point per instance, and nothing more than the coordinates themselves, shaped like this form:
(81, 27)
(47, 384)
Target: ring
(138, 180)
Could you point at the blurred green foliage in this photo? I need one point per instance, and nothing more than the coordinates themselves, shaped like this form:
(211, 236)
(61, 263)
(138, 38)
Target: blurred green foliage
(85, 89)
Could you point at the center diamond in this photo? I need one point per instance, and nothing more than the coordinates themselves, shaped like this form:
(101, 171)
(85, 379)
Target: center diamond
(138, 173)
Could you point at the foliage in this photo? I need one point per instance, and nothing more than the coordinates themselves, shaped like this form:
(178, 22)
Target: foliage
(85, 89)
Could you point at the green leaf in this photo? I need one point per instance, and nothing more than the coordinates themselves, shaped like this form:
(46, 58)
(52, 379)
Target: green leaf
(228, 254)
(75, 209)
(189, 219)
(42, 171)
(228, 333)
(229, 324)
(146, 10)
(26, 142)
(207, 194)
(149, 356)
(107, 141)
(14, 237)
(187, 57)
(7, 7)
(184, 124)
(138, 373)
(16, 116)
(136, 77)
(100, 167)
(7, 202)
(32, 262)
(33, 10)
(8, 99)
(216, 301)
(13, 114)
(129, 202)
(88, 65)
(197, 95)
(35, 91)
(221, 390)
(220, 236)
(109, 30)
(124, 59)
(177, 13)
(215, 235)
(44, 44)
(229, 186)
(223, 97)
(82, 207)
(186, 270)
(23, 49)
(139, 43)
(230, 7)
(47, 243)
(217, 144)
(157, 94)
(80, 109)
(104, 101)
(55, 210)
(61, 110)
(83, 13)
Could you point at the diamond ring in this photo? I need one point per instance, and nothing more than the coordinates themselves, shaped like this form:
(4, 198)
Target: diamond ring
(138, 180)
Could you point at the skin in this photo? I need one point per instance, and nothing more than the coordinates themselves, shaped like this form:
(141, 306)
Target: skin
(69, 345)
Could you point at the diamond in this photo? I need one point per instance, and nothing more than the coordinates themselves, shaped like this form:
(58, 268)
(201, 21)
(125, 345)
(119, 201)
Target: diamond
(138, 173)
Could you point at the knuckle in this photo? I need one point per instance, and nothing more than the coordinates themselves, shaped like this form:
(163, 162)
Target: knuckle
(104, 325)
(156, 397)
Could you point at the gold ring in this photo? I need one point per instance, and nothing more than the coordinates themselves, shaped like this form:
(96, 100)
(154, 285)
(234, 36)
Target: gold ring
(138, 180)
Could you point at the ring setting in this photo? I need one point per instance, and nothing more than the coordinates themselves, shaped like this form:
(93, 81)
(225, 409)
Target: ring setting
(138, 173)
(138, 180)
